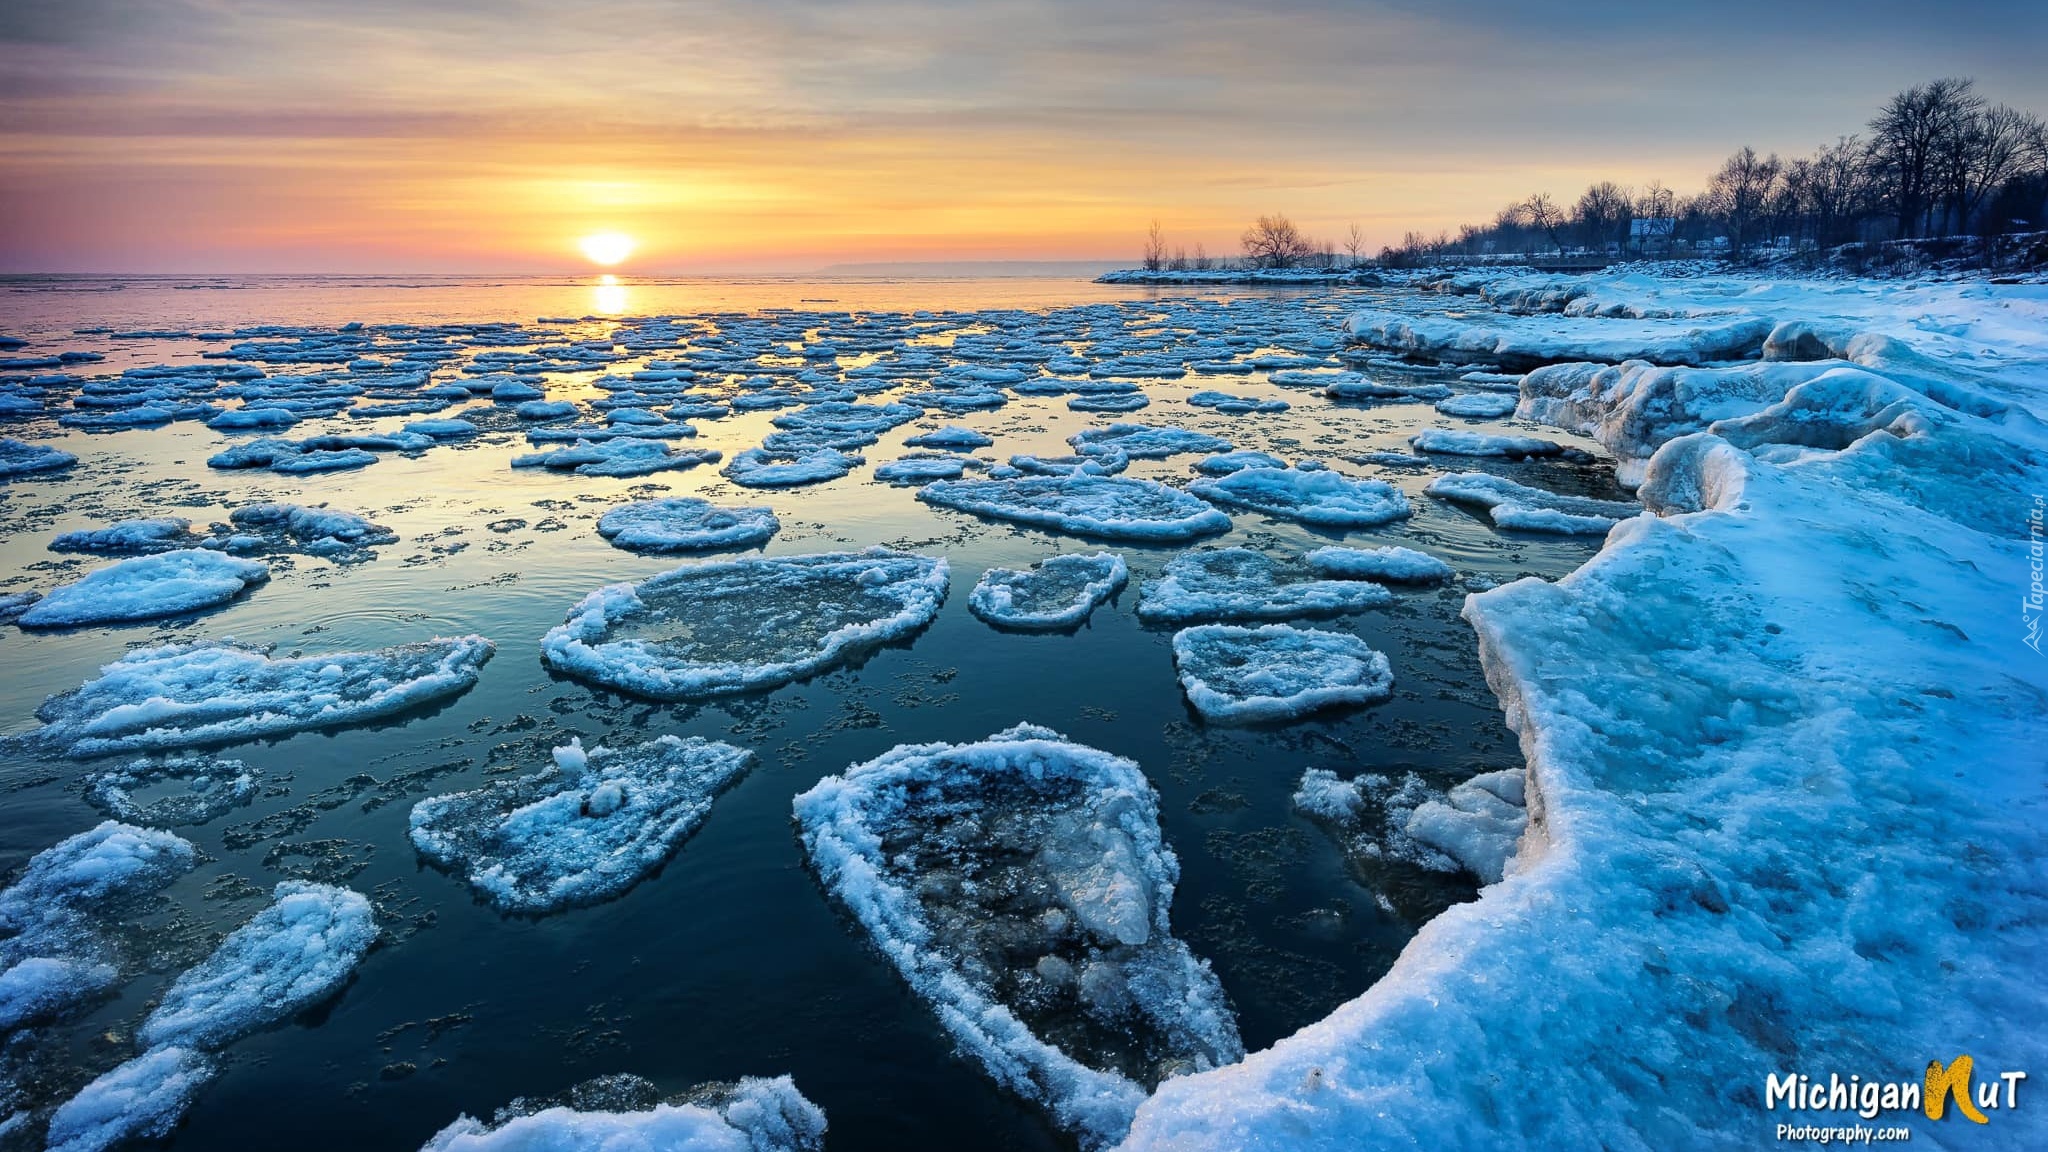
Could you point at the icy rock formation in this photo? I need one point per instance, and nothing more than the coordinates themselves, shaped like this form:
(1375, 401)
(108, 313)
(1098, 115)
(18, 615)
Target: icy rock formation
(1057, 592)
(146, 588)
(129, 537)
(685, 524)
(1276, 672)
(181, 695)
(627, 1114)
(1021, 886)
(1112, 507)
(1512, 505)
(735, 626)
(585, 830)
(213, 787)
(1394, 563)
(1240, 584)
(1456, 442)
(1319, 496)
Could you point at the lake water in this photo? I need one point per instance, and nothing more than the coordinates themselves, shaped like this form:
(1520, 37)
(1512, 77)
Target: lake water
(732, 960)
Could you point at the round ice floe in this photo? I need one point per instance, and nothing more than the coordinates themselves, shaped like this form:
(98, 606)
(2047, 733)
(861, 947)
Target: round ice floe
(1276, 672)
(761, 468)
(1478, 405)
(146, 588)
(627, 1114)
(1454, 442)
(585, 830)
(1021, 886)
(21, 458)
(1520, 506)
(925, 469)
(125, 537)
(685, 524)
(1313, 496)
(1144, 441)
(1240, 584)
(734, 626)
(1114, 507)
(1057, 592)
(321, 530)
(952, 436)
(619, 456)
(1224, 463)
(1402, 565)
(211, 787)
(182, 695)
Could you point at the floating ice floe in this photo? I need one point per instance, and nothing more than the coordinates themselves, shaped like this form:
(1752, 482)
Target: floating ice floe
(1368, 388)
(1529, 341)
(13, 604)
(761, 468)
(1125, 402)
(925, 469)
(740, 625)
(1276, 672)
(621, 456)
(1401, 565)
(146, 588)
(1512, 505)
(21, 458)
(141, 1099)
(1457, 442)
(1113, 507)
(1477, 405)
(585, 830)
(1240, 584)
(181, 695)
(451, 428)
(1312, 496)
(211, 788)
(1476, 826)
(1106, 464)
(129, 537)
(1231, 404)
(1022, 887)
(952, 436)
(628, 1114)
(1225, 463)
(685, 524)
(321, 530)
(1144, 441)
(1057, 592)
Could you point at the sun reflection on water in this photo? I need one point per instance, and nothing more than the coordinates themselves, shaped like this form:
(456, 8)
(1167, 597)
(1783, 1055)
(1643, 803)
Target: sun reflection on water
(611, 296)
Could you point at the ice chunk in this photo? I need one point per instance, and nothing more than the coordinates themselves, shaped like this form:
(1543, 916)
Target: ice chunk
(544, 410)
(761, 468)
(740, 625)
(1319, 496)
(145, 588)
(286, 958)
(1457, 442)
(1477, 824)
(1231, 404)
(925, 469)
(1402, 565)
(1106, 464)
(585, 830)
(1114, 507)
(181, 695)
(952, 436)
(1477, 405)
(753, 1115)
(212, 787)
(684, 524)
(621, 456)
(141, 1099)
(13, 604)
(1022, 887)
(1144, 441)
(124, 537)
(321, 530)
(21, 458)
(1276, 672)
(1512, 505)
(1240, 584)
(1057, 592)
(1368, 388)
(450, 428)
(1526, 342)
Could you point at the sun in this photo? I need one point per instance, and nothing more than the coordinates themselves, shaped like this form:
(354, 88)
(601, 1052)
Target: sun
(606, 248)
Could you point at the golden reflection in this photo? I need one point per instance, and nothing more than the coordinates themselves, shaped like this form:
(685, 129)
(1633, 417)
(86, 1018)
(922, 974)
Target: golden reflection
(607, 247)
(611, 296)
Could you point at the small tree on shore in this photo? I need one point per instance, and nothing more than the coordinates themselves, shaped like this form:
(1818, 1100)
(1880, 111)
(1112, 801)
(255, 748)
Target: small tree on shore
(1543, 215)
(1274, 242)
(1354, 243)
(1155, 248)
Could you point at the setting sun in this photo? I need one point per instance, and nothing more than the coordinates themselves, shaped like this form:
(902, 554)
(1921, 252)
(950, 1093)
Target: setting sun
(606, 248)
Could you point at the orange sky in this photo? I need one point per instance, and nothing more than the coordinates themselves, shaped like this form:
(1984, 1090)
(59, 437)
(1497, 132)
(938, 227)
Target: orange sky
(330, 135)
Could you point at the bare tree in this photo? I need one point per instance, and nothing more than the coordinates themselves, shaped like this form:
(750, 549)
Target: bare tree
(1602, 213)
(1543, 215)
(1274, 242)
(1202, 261)
(1155, 248)
(1993, 148)
(1908, 139)
(1354, 243)
(1741, 191)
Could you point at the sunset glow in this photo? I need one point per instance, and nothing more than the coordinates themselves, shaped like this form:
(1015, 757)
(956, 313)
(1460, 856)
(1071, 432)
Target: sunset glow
(607, 248)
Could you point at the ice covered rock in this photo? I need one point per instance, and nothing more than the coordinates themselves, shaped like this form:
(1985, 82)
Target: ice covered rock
(146, 588)
(141, 1099)
(1276, 672)
(762, 468)
(1113, 507)
(740, 625)
(128, 537)
(753, 1115)
(585, 830)
(1458, 442)
(686, 524)
(1477, 405)
(211, 787)
(1144, 441)
(1520, 506)
(620, 456)
(1240, 584)
(181, 695)
(1021, 886)
(1400, 565)
(1057, 592)
(1313, 496)
(21, 458)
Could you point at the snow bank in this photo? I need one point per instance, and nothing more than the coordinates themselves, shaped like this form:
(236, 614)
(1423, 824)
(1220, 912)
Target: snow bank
(1402, 565)
(1276, 672)
(1319, 497)
(1021, 886)
(585, 830)
(1057, 592)
(1520, 506)
(753, 1115)
(1240, 584)
(741, 625)
(1112, 507)
(180, 695)
(686, 524)
(146, 588)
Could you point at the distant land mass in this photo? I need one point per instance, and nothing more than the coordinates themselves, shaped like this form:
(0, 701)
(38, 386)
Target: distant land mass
(1087, 268)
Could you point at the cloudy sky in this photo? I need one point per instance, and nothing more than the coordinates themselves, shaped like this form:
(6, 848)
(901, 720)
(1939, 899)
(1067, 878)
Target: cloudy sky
(488, 135)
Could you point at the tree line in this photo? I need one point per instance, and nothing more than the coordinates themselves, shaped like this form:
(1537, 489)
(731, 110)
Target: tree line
(1938, 159)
